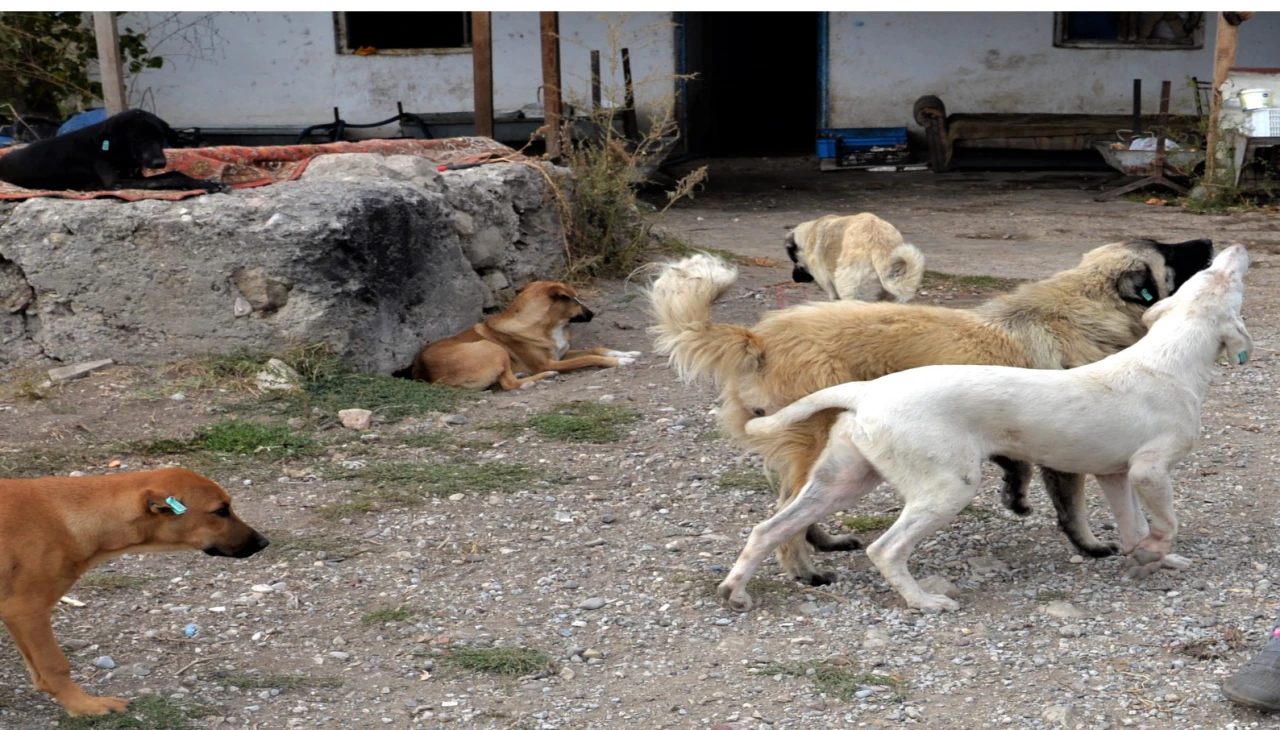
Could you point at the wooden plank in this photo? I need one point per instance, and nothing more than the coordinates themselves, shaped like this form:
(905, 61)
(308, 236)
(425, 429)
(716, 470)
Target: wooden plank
(595, 94)
(109, 66)
(482, 72)
(1224, 57)
(550, 22)
(630, 125)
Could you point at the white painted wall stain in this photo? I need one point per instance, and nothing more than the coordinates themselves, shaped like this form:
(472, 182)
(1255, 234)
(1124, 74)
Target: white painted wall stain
(274, 68)
(880, 63)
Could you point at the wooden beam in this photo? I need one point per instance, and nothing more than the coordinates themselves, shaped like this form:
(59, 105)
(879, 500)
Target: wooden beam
(482, 71)
(109, 66)
(1224, 57)
(550, 22)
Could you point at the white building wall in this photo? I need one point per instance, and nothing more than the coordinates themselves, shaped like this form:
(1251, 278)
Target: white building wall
(274, 68)
(880, 63)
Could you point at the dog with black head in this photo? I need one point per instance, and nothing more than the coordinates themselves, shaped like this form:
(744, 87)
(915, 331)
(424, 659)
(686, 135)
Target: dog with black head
(109, 155)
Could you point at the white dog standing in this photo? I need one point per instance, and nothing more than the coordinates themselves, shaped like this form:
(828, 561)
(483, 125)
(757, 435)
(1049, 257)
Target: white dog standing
(1127, 419)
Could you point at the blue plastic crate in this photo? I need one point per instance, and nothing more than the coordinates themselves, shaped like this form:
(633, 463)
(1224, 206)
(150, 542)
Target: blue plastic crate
(864, 137)
(827, 148)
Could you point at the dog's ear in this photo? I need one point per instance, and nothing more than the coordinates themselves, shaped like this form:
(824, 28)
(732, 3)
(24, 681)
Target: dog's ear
(157, 503)
(1237, 345)
(1138, 286)
(1155, 312)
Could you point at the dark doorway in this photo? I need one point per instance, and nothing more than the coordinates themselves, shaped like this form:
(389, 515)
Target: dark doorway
(757, 86)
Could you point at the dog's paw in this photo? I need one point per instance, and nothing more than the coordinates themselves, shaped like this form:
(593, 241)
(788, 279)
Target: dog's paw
(89, 705)
(1136, 570)
(1101, 550)
(1175, 562)
(625, 361)
(821, 578)
(633, 354)
(933, 603)
(737, 600)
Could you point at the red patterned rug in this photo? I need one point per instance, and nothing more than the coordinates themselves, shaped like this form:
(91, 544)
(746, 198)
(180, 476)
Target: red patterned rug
(248, 167)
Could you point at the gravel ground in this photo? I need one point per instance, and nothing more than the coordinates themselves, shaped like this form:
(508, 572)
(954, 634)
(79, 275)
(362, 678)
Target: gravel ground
(373, 609)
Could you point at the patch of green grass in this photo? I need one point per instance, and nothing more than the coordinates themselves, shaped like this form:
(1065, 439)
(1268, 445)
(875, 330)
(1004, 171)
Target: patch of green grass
(148, 712)
(508, 661)
(980, 282)
(427, 440)
(747, 481)
(113, 581)
(835, 681)
(36, 462)
(344, 510)
(282, 682)
(386, 616)
(974, 510)
(441, 480)
(675, 247)
(1049, 596)
(235, 436)
(391, 398)
(869, 523)
(581, 422)
(712, 435)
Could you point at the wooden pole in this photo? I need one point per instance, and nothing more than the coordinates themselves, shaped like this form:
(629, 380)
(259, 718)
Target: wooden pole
(550, 22)
(596, 95)
(630, 126)
(1224, 57)
(482, 71)
(109, 66)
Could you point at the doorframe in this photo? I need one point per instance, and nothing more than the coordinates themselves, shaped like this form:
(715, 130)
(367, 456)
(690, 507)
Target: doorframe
(681, 22)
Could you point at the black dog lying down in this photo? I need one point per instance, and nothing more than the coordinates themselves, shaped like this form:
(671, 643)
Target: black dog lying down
(109, 155)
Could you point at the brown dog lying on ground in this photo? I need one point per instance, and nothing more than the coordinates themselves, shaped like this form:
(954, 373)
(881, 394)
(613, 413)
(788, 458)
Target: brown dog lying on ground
(530, 336)
(54, 529)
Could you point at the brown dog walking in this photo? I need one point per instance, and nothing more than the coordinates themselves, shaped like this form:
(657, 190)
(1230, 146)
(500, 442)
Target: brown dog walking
(53, 529)
(530, 336)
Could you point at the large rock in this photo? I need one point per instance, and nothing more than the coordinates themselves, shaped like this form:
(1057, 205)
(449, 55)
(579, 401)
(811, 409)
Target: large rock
(361, 255)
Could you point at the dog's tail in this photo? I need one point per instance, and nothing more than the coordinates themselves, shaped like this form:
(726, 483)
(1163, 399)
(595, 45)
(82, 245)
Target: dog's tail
(903, 272)
(680, 301)
(845, 397)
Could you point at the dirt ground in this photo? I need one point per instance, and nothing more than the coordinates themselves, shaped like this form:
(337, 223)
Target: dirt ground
(472, 568)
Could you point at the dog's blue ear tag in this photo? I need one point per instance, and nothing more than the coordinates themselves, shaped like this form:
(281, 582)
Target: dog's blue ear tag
(106, 145)
(1243, 357)
(1145, 294)
(178, 507)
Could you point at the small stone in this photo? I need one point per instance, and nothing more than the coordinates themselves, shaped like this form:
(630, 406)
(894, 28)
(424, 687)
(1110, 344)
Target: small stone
(356, 419)
(592, 604)
(1076, 559)
(71, 372)
(938, 585)
(685, 422)
(1060, 715)
(567, 674)
(104, 662)
(494, 500)
(1062, 610)
(454, 419)
(277, 375)
(179, 397)
(608, 519)
(242, 307)
(261, 588)
(458, 497)
(341, 656)
(673, 546)
(987, 565)
(608, 398)
(592, 654)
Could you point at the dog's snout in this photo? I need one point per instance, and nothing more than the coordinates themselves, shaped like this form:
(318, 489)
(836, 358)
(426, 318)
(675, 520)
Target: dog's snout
(252, 545)
(585, 316)
(801, 275)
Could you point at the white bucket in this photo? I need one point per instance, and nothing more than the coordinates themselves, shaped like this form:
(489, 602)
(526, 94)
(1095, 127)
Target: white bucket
(1251, 99)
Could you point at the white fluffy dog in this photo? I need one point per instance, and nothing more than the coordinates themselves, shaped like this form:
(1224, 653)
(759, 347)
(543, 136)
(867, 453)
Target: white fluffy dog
(1127, 418)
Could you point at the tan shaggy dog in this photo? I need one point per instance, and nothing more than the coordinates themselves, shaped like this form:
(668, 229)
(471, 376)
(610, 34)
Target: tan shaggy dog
(53, 529)
(1073, 318)
(530, 336)
(859, 257)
